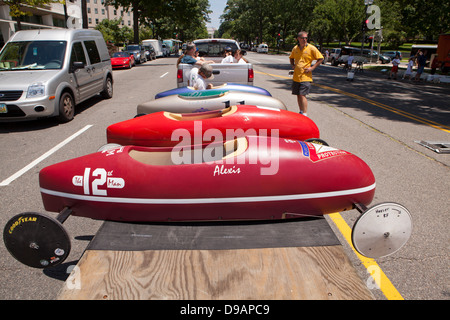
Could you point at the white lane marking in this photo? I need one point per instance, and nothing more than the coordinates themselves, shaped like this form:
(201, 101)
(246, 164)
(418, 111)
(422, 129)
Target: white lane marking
(165, 74)
(44, 156)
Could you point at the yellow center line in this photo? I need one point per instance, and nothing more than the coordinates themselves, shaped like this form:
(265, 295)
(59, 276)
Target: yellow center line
(377, 275)
(405, 114)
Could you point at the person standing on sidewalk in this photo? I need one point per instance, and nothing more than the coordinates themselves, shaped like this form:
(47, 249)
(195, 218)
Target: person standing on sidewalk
(421, 62)
(302, 55)
(395, 64)
(408, 72)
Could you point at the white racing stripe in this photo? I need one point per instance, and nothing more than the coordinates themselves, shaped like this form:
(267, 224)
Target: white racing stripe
(44, 156)
(209, 200)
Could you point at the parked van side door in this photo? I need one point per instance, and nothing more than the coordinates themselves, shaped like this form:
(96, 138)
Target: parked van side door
(95, 66)
(82, 75)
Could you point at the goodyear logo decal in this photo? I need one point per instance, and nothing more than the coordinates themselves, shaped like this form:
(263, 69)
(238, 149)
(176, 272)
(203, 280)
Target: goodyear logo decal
(20, 221)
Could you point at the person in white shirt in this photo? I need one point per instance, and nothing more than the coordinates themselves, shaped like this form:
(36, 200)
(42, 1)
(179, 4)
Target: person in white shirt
(408, 72)
(350, 61)
(205, 72)
(394, 69)
(239, 57)
(228, 56)
(193, 75)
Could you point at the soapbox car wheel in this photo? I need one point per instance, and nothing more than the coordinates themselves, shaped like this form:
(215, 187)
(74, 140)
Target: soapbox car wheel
(382, 230)
(36, 240)
(317, 141)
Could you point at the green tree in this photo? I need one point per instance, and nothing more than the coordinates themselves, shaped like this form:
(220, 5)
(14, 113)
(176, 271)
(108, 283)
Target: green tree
(167, 18)
(248, 19)
(113, 32)
(424, 19)
(135, 6)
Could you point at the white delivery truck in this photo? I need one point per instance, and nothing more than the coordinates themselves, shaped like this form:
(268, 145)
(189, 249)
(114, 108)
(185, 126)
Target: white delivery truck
(213, 49)
(157, 45)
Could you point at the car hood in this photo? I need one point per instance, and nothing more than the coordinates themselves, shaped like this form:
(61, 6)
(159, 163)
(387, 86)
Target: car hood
(21, 79)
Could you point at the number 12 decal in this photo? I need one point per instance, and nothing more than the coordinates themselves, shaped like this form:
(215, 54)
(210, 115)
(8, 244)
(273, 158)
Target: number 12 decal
(100, 183)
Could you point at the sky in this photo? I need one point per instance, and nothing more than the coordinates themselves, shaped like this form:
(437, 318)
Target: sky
(216, 6)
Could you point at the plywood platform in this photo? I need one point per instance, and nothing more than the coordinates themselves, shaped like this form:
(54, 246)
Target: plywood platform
(299, 259)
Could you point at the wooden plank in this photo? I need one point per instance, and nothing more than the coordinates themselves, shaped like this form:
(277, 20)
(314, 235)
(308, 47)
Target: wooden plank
(322, 272)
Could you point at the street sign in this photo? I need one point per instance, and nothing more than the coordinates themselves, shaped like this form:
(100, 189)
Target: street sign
(374, 21)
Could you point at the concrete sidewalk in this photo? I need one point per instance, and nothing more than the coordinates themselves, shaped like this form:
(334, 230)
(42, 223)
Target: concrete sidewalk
(384, 72)
(426, 75)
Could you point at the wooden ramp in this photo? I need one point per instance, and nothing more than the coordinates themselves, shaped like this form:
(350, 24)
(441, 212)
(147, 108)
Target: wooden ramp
(300, 259)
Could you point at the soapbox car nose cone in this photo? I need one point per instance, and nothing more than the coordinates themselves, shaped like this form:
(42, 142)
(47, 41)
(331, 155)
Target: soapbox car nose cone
(162, 129)
(123, 134)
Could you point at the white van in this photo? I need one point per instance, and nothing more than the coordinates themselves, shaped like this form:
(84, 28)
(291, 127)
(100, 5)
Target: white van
(45, 73)
(262, 48)
(157, 45)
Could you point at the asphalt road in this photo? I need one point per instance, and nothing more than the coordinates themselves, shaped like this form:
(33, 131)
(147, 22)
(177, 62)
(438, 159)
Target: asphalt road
(376, 119)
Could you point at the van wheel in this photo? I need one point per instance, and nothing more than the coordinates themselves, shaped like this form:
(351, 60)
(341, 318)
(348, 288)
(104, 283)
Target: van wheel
(107, 92)
(66, 107)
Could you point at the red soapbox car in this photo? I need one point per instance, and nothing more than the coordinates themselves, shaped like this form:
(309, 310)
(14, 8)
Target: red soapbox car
(164, 129)
(247, 178)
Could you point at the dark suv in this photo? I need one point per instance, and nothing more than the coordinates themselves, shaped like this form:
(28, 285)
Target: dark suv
(138, 52)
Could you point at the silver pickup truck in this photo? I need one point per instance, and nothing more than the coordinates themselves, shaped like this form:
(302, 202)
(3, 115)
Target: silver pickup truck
(213, 49)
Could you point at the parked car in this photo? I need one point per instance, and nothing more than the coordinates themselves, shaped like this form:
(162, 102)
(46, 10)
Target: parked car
(262, 48)
(382, 58)
(334, 56)
(47, 72)
(122, 60)
(166, 50)
(365, 57)
(392, 54)
(150, 52)
(138, 52)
